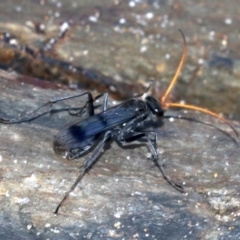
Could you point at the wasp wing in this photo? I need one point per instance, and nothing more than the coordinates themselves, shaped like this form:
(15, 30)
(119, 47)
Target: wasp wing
(82, 134)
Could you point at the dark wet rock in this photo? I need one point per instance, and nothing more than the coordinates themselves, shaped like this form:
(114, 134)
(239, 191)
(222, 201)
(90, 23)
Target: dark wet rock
(221, 62)
(132, 41)
(124, 196)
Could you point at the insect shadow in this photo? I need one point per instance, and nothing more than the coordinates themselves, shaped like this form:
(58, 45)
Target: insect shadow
(124, 123)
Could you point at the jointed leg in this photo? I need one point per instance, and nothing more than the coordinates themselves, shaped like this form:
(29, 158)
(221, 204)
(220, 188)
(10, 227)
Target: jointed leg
(31, 115)
(153, 147)
(91, 160)
(90, 107)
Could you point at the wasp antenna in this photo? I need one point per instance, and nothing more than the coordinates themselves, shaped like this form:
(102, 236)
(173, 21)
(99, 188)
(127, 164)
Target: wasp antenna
(175, 78)
(192, 107)
(151, 81)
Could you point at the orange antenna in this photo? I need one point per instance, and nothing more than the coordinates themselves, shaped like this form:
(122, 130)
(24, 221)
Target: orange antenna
(187, 106)
(175, 78)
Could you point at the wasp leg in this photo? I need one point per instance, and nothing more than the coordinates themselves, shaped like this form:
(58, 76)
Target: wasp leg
(91, 160)
(152, 144)
(38, 112)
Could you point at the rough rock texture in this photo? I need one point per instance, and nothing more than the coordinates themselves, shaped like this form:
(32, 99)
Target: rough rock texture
(123, 196)
(131, 42)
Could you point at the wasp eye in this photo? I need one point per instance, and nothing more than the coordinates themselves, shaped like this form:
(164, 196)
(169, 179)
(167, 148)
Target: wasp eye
(155, 106)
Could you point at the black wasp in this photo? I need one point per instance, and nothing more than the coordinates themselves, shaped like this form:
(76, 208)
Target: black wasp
(122, 123)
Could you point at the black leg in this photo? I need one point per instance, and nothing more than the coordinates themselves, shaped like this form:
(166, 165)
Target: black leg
(31, 115)
(91, 160)
(90, 107)
(152, 144)
(153, 147)
(105, 100)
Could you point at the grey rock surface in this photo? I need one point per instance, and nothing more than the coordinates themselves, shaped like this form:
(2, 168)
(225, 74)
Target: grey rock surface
(124, 196)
